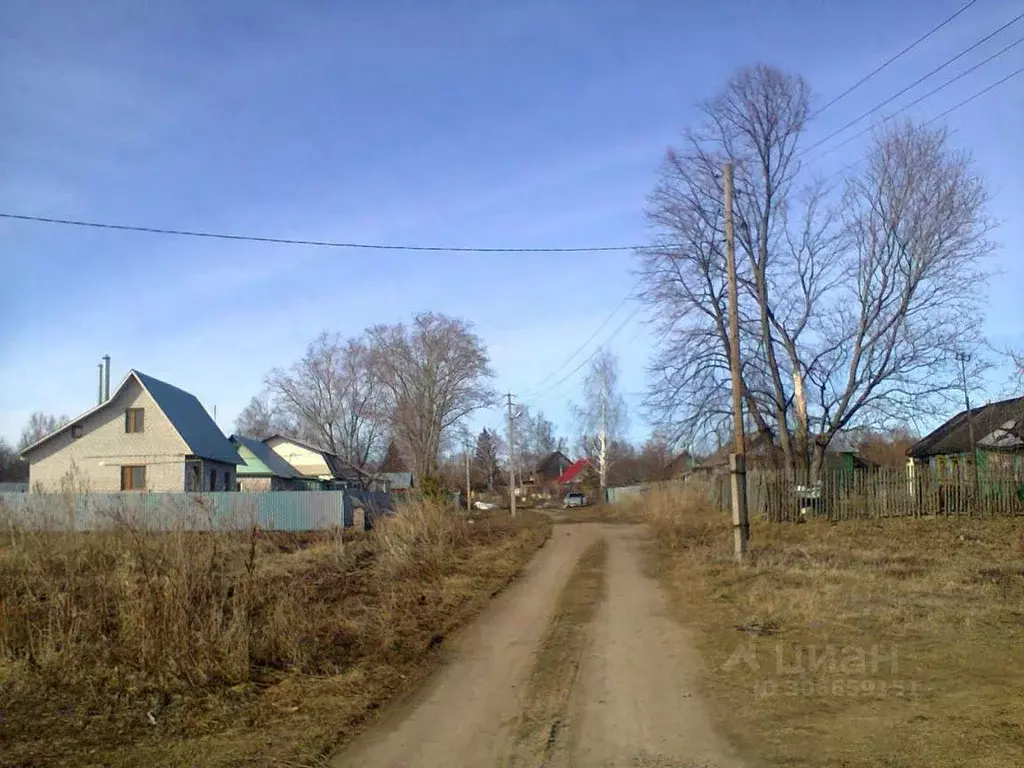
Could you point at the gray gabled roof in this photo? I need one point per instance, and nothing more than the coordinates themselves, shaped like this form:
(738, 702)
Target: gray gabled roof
(997, 426)
(193, 423)
(398, 481)
(186, 414)
(268, 456)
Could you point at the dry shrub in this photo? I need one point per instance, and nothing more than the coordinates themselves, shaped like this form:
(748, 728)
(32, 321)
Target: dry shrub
(128, 608)
(227, 629)
(684, 519)
(419, 538)
(124, 609)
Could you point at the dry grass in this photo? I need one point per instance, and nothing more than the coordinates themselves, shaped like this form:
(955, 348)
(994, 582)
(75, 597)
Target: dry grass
(125, 648)
(815, 618)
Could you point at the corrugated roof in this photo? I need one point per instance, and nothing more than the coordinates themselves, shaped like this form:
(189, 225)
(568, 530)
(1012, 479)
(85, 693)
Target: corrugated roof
(398, 481)
(997, 426)
(193, 423)
(573, 471)
(200, 433)
(265, 460)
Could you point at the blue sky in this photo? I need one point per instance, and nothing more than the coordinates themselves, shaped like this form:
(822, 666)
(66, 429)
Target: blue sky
(454, 123)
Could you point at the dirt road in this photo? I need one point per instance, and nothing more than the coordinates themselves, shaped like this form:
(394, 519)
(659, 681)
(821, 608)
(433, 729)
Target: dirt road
(578, 664)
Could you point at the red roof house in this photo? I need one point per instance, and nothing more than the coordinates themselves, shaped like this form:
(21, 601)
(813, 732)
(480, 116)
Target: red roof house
(575, 473)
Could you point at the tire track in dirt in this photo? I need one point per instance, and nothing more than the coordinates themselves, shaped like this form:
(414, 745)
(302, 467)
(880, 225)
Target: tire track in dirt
(464, 715)
(578, 664)
(543, 722)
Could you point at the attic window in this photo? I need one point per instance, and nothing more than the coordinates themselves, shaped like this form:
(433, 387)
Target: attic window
(134, 419)
(76, 431)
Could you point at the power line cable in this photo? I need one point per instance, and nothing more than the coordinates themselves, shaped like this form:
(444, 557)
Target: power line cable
(592, 336)
(589, 357)
(892, 59)
(919, 99)
(911, 86)
(969, 99)
(939, 116)
(317, 243)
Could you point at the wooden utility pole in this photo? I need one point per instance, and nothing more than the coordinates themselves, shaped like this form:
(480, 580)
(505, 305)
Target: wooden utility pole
(469, 485)
(738, 459)
(511, 458)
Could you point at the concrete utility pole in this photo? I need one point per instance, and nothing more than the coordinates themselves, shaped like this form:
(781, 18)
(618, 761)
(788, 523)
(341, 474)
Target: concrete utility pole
(469, 486)
(738, 459)
(963, 358)
(602, 447)
(511, 458)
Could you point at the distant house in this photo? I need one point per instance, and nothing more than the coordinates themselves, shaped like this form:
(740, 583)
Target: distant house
(842, 456)
(679, 465)
(551, 467)
(262, 469)
(397, 482)
(998, 439)
(579, 474)
(148, 436)
(761, 453)
(320, 468)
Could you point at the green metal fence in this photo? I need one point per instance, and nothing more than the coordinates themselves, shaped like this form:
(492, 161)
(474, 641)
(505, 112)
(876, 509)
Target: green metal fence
(271, 510)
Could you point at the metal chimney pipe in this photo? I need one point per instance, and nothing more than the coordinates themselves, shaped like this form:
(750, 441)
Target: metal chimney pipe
(106, 378)
(99, 396)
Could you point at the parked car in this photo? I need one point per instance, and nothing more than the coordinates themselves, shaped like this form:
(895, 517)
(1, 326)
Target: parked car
(574, 499)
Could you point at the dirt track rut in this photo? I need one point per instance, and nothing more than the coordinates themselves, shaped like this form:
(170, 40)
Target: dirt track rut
(577, 664)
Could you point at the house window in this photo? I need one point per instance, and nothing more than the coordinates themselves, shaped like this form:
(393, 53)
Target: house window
(76, 431)
(133, 478)
(213, 479)
(227, 481)
(197, 478)
(133, 420)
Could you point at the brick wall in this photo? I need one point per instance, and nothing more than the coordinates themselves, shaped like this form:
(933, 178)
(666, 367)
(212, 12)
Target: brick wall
(94, 460)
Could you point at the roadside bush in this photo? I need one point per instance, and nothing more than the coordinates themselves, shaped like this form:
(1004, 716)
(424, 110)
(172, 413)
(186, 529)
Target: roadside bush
(683, 518)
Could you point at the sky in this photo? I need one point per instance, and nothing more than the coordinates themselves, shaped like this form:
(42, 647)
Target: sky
(452, 123)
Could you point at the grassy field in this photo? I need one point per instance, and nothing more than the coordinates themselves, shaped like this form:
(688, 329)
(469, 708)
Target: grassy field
(892, 643)
(223, 649)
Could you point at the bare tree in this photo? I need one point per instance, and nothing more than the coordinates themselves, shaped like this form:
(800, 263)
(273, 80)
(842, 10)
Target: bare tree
(435, 372)
(261, 418)
(535, 439)
(848, 307)
(335, 397)
(602, 417)
(12, 468)
(39, 426)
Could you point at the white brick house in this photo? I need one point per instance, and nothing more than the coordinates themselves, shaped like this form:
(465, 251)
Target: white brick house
(148, 436)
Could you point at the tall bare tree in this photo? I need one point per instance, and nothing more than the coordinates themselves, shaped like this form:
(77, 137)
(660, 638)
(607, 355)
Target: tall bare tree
(602, 417)
(849, 304)
(435, 372)
(335, 397)
(535, 439)
(39, 426)
(262, 418)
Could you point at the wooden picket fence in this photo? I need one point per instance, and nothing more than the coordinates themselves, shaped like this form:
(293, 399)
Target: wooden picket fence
(882, 492)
